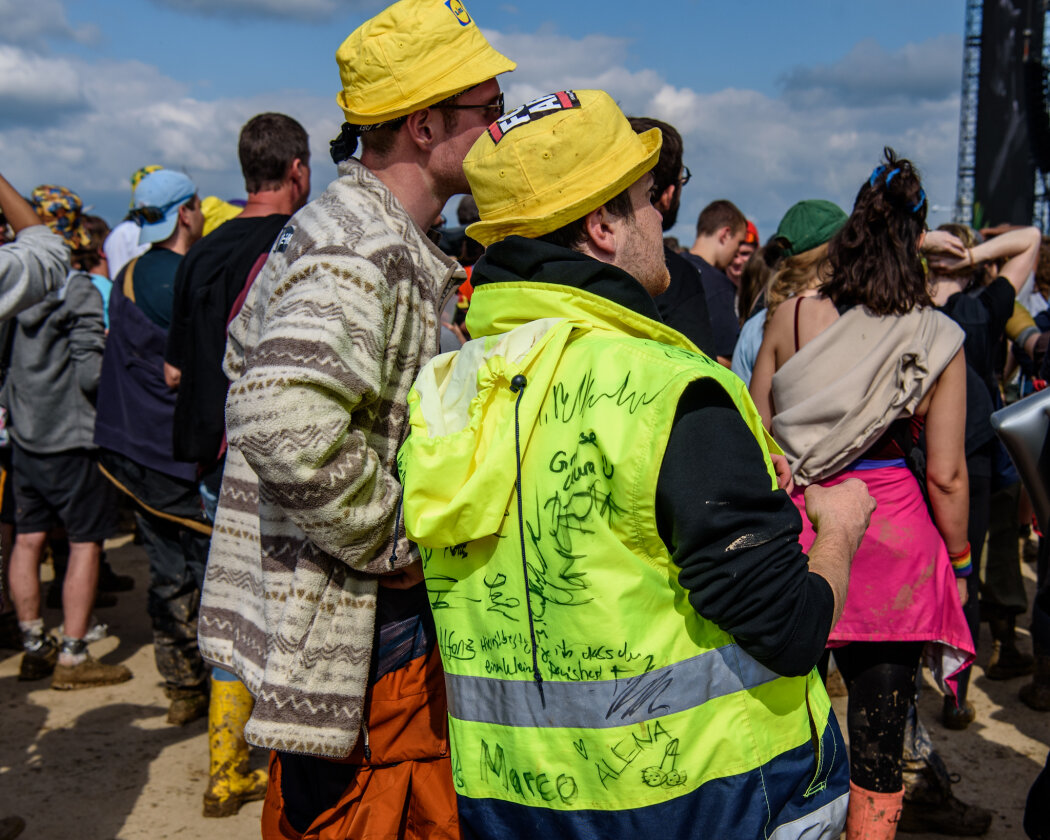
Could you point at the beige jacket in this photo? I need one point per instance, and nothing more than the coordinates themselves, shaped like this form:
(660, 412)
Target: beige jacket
(840, 392)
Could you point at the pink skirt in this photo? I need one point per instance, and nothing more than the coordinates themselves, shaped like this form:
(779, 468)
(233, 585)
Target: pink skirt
(902, 587)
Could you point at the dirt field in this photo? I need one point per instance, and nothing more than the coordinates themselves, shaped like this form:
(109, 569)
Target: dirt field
(102, 763)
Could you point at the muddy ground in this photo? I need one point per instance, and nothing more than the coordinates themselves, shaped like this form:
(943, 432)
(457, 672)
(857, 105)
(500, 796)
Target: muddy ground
(103, 763)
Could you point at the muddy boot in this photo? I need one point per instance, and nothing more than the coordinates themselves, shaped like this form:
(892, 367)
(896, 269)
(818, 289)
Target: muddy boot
(1006, 661)
(231, 783)
(187, 705)
(930, 806)
(41, 654)
(1036, 695)
(871, 815)
(77, 668)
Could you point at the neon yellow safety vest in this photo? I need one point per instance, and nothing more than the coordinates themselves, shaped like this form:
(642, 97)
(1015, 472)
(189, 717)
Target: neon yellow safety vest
(585, 693)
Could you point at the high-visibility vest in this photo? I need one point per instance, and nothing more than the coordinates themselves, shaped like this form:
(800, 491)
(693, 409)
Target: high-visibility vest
(582, 685)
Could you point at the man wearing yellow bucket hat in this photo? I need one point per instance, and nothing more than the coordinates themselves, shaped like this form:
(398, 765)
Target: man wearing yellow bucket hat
(628, 625)
(314, 596)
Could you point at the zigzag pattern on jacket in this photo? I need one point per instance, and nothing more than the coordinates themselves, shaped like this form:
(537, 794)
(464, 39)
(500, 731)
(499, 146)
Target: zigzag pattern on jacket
(322, 356)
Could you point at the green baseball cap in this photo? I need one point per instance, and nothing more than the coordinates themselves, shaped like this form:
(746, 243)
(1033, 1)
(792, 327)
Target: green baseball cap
(808, 224)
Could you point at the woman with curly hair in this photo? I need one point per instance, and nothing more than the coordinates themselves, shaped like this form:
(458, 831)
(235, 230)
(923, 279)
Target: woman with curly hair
(843, 380)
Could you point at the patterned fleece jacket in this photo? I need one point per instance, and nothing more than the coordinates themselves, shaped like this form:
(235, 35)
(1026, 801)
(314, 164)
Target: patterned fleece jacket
(321, 357)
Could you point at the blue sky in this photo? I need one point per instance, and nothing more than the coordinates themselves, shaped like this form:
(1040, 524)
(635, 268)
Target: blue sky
(776, 101)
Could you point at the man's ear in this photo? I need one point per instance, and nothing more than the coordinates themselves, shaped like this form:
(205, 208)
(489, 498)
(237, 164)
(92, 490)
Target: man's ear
(663, 203)
(724, 235)
(420, 127)
(600, 233)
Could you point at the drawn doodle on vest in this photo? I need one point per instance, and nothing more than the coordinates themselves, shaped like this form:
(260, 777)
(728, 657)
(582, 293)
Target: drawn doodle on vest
(572, 401)
(499, 602)
(453, 648)
(527, 784)
(622, 755)
(578, 466)
(563, 587)
(664, 776)
(639, 692)
(440, 588)
(568, 513)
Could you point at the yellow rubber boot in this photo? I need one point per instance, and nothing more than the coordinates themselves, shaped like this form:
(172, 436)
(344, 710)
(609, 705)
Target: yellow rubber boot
(871, 815)
(231, 783)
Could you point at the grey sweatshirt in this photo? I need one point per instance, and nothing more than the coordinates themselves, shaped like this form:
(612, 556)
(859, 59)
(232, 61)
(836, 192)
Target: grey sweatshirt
(56, 358)
(30, 267)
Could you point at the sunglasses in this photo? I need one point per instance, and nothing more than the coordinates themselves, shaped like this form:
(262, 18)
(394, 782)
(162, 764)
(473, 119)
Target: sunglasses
(152, 215)
(494, 108)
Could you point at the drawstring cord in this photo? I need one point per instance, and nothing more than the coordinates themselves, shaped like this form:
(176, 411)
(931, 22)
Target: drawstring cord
(392, 561)
(517, 385)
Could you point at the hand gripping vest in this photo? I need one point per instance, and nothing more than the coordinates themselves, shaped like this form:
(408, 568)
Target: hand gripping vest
(587, 698)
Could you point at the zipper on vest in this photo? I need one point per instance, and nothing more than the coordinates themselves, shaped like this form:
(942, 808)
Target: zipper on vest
(364, 734)
(517, 385)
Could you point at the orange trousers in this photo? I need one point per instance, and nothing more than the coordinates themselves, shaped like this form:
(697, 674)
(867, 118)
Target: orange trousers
(404, 790)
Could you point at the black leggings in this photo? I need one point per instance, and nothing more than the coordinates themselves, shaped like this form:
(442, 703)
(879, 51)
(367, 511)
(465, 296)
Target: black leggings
(880, 677)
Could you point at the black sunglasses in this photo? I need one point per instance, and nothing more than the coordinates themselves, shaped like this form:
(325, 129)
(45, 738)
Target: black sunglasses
(152, 215)
(686, 175)
(493, 107)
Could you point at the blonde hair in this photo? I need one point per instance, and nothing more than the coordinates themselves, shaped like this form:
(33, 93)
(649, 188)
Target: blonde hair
(804, 271)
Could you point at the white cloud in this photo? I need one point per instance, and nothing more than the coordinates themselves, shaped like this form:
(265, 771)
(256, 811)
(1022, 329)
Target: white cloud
(123, 115)
(762, 151)
(28, 22)
(767, 152)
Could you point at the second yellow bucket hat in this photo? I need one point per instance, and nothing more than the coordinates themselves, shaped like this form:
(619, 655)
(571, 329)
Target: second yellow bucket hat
(554, 160)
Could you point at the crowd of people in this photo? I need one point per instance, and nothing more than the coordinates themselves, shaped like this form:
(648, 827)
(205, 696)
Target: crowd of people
(539, 524)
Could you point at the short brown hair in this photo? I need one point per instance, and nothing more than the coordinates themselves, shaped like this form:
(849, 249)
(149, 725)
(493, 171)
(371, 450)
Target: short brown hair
(379, 139)
(720, 214)
(668, 169)
(574, 233)
(267, 146)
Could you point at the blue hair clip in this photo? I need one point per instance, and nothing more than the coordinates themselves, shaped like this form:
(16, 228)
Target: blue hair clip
(890, 176)
(917, 206)
(875, 175)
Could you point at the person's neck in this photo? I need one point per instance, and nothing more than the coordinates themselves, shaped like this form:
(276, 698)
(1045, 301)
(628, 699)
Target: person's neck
(268, 203)
(409, 183)
(942, 288)
(704, 247)
(177, 243)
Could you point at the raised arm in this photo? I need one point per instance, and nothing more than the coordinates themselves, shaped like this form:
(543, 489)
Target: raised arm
(33, 265)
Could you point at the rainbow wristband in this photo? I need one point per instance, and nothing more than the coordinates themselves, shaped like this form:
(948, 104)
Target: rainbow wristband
(962, 564)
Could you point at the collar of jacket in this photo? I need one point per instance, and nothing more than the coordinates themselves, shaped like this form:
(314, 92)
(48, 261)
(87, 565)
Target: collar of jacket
(551, 281)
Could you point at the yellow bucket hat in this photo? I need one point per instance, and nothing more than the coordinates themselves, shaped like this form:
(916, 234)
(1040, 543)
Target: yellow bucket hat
(554, 160)
(411, 55)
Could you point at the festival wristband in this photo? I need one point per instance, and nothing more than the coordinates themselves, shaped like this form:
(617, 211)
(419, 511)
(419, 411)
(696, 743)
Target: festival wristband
(962, 564)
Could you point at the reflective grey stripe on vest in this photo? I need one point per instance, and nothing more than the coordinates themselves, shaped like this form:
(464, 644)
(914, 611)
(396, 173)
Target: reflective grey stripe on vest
(826, 823)
(600, 704)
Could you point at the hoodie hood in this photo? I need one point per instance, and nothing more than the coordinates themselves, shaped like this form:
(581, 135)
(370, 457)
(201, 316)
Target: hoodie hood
(459, 463)
(36, 314)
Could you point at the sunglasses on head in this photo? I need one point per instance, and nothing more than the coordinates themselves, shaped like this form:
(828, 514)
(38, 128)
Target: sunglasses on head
(152, 215)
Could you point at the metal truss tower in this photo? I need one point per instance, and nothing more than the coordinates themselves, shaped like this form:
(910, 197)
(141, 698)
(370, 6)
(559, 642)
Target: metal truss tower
(964, 190)
(1041, 205)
